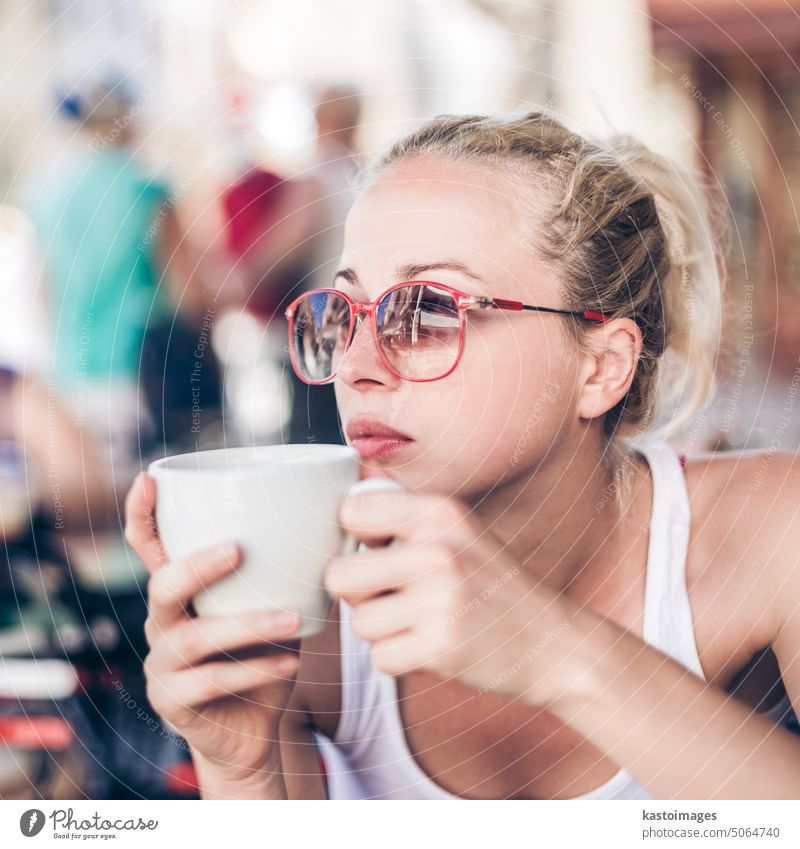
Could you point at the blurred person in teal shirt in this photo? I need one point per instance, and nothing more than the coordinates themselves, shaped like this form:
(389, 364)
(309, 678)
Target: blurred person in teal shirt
(97, 215)
(118, 274)
(116, 265)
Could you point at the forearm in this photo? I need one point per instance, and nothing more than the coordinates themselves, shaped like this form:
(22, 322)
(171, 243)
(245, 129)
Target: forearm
(680, 737)
(77, 480)
(217, 782)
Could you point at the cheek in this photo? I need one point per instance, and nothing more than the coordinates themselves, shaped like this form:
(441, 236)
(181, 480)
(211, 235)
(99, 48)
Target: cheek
(477, 435)
(506, 383)
(526, 376)
(498, 412)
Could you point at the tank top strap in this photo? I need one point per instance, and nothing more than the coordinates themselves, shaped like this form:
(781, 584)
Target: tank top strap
(667, 623)
(363, 692)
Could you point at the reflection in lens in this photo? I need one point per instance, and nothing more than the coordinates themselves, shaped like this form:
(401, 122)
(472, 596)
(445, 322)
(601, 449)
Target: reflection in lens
(321, 325)
(419, 330)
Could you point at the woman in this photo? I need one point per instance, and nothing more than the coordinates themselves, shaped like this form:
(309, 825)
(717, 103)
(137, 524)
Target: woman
(564, 610)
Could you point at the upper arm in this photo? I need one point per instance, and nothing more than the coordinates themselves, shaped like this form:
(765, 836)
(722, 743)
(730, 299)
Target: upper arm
(302, 773)
(744, 579)
(778, 478)
(786, 644)
(787, 650)
(86, 477)
(315, 705)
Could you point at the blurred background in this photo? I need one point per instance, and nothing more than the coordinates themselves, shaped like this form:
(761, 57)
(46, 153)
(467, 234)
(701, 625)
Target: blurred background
(173, 173)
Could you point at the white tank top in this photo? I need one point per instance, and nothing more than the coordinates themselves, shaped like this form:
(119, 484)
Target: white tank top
(369, 757)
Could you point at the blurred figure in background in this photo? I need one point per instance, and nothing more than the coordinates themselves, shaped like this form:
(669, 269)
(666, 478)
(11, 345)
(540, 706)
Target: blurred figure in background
(270, 224)
(338, 113)
(757, 404)
(116, 265)
(47, 466)
(284, 235)
(270, 221)
(127, 306)
(120, 282)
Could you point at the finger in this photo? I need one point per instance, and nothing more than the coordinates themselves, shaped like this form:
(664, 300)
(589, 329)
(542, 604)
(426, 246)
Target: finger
(202, 637)
(173, 586)
(397, 654)
(376, 516)
(425, 606)
(199, 685)
(384, 616)
(140, 523)
(370, 573)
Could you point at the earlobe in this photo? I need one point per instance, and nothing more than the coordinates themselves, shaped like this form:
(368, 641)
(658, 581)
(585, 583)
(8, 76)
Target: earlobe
(609, 367)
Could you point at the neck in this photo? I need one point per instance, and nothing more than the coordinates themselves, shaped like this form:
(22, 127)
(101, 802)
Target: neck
(565, 519)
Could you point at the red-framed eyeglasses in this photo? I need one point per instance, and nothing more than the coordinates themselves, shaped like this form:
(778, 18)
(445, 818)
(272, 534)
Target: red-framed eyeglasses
(418, 327)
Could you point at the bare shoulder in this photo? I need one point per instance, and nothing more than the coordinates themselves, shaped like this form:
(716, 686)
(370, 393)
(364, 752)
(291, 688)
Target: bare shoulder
(744, 544)
(318, 690)
(750, 499)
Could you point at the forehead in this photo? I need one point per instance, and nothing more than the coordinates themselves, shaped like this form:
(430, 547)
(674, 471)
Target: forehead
(425, 210)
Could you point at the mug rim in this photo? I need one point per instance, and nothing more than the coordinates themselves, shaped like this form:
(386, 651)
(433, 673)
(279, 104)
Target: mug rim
(165, 465)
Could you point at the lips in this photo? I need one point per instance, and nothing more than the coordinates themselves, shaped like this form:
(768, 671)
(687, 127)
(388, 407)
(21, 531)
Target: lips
(372, 438)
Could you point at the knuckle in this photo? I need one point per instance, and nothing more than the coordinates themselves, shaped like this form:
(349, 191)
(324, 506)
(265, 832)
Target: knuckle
(383, 661)
(440, 609)
(442, 642)
(453, 568)
(129, 500)
(155, 587)
(164, 584)
(151, 631)
(181, 642)
(332, 578)
(133, 537)
(212, 684)
(152, 694)
(348, 510)
(156, 694)
(153, 664)
(360, 625)
(444, 558)
(270, 673)
(147, 666)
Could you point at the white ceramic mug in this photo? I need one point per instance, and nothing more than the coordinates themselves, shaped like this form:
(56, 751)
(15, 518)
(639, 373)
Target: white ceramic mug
(280, 503)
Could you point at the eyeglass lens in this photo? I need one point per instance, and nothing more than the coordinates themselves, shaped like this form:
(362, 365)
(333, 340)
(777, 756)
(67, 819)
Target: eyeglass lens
(418, 332)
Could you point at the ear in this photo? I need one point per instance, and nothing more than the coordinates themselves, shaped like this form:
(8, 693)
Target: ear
(608, 367)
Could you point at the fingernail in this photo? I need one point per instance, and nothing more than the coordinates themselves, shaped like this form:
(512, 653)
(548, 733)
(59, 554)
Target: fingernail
(229, 551)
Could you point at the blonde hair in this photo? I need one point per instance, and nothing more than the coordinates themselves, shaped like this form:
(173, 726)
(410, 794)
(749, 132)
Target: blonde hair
(628, 233)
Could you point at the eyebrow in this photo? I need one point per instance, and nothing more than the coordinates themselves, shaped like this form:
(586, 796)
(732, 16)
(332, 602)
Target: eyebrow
(411, 271)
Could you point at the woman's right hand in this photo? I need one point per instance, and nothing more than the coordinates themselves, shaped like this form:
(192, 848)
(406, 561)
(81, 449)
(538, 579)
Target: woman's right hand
(227, 708)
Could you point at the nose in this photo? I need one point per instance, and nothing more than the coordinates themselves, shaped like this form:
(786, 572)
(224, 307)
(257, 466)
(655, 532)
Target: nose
(361, 367)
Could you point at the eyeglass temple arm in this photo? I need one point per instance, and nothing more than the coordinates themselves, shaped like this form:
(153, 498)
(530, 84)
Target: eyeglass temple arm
(502, 304)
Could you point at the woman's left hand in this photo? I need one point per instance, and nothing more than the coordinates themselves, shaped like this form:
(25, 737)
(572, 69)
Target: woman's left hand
(446, 597)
